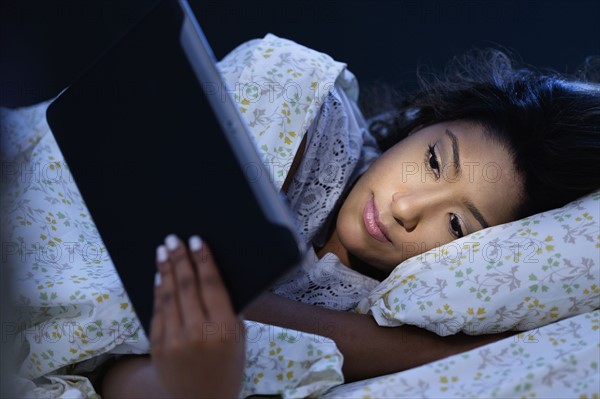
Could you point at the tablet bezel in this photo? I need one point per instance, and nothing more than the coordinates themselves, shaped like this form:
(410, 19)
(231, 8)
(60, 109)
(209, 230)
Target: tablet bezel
(67, 115)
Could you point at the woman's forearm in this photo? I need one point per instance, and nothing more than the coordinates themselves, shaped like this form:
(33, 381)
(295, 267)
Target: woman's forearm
(369, 350)
(132, 377)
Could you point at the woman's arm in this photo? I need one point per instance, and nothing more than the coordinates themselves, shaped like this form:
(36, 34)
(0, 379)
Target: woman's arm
(369, 350)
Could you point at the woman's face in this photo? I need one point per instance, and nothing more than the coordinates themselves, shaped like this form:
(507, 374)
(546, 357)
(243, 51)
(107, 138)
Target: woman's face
(442, 182)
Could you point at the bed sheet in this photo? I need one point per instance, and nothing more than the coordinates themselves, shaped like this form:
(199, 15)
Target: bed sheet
(559, 360)
(281, 362)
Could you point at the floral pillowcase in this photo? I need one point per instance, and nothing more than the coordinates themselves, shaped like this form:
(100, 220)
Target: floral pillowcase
(516, 276)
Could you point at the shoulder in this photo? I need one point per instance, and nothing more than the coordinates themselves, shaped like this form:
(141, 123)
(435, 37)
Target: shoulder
(279, 87)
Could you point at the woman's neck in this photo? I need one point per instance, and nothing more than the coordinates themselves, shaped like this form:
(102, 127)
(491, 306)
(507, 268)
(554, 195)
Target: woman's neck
(334, 245)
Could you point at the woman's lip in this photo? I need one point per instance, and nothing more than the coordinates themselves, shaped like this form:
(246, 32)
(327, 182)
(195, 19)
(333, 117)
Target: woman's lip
(372, 222)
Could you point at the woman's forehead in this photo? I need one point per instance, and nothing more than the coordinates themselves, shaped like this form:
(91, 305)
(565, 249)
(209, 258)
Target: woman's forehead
(487, 173)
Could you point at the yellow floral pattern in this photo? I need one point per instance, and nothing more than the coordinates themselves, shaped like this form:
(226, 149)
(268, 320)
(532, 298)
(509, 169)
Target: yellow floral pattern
(59, 266)
(289, 363)
(279, 87)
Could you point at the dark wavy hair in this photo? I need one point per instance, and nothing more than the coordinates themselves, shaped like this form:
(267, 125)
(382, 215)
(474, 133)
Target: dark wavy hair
(549, 122)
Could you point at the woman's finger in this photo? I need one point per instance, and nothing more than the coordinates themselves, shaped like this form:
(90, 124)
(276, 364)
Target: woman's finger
(157, 323)
(186, 283)
(169, 307)
(213, 292)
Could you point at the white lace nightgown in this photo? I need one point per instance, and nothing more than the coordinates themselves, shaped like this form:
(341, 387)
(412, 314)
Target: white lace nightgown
(339, 148)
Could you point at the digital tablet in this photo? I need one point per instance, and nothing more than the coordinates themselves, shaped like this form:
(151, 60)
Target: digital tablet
(167, 151)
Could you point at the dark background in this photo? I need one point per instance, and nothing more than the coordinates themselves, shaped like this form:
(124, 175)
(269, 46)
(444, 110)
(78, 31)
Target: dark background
(46, 44)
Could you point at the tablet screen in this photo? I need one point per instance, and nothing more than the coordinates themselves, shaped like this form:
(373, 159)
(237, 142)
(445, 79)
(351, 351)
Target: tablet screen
(156, 161)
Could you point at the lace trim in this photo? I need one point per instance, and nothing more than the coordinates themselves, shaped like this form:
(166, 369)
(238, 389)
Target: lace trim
(324, 172)
(338, 149)
(326, 282)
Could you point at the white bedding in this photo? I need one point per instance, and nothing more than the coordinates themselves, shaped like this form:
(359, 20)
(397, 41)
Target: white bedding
(559, 360)
(78, 287)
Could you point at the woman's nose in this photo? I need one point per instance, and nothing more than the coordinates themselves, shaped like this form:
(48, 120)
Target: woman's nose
(409, 208)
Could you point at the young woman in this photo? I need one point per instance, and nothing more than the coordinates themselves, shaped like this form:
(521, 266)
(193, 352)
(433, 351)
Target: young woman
(485, 144)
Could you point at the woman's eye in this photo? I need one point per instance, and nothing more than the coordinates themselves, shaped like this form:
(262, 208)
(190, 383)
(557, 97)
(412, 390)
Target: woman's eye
(433, 162)
(455, 226)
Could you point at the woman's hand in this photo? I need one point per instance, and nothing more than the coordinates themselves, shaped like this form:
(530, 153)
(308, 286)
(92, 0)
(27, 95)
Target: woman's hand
(197, 340)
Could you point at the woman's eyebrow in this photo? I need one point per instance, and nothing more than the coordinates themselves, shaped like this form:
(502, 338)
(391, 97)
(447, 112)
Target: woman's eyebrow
(455, 152)
(476, 214)
(456, 164)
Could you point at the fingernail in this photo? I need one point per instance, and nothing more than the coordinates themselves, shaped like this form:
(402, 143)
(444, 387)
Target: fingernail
(172, 242)
(157, 279)
(195, 243)
(161, 253)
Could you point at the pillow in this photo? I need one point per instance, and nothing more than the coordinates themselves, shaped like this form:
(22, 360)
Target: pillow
(516, 276)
